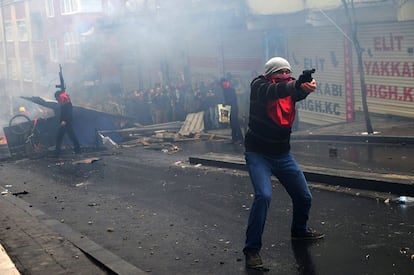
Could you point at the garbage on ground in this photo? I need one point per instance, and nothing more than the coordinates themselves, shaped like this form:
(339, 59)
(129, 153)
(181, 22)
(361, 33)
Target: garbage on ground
(405, 200)
(86, 161)
(107, 141)
(404, 250)
(168, 149)
(20, 193)
(180, 163)
(151, 135)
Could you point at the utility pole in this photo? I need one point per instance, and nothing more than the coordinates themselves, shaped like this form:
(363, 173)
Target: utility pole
(350, 13)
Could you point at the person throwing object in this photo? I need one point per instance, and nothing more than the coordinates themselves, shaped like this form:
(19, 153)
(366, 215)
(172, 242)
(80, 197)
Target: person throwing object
(267, 152)
(65, 123)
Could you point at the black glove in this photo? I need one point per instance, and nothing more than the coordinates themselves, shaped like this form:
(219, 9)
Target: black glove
(299, 81)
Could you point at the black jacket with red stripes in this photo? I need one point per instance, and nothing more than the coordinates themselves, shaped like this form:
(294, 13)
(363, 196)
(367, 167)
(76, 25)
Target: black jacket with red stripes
(264, 135)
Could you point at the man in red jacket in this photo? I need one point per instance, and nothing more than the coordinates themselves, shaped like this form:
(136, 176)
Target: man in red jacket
(65, 123)
(267, 142)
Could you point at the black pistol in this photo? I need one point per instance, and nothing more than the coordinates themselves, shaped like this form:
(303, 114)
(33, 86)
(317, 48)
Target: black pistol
(308, 75)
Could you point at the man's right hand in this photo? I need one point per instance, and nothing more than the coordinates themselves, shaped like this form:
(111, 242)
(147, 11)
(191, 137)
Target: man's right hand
(62, 123)
(306, 76)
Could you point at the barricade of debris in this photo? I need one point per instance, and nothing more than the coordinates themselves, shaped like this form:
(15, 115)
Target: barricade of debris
(160, 136)
(101, 130)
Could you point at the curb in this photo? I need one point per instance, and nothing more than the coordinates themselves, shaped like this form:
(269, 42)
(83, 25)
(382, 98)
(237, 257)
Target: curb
(387, 183)
(356, 138)
(100, 255)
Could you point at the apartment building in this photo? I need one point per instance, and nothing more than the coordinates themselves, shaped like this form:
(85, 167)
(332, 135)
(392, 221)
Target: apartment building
(37, 36)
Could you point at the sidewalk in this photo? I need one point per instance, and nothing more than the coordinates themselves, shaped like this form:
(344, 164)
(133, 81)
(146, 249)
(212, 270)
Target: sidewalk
(7, 266)
(41, 245)
(37, 249)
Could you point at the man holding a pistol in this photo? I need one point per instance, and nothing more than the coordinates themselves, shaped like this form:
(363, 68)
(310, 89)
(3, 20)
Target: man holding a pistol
(272, 113)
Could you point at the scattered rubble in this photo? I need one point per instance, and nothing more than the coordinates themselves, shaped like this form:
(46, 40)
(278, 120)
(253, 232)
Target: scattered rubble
(20, 193)
(86, 161)
(160, 136)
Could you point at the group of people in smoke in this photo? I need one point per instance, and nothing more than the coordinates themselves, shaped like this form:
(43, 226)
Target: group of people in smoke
(169, 103)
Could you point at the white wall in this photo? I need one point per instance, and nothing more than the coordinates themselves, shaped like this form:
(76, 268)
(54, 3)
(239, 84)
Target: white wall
(266, 7)
(406, 11)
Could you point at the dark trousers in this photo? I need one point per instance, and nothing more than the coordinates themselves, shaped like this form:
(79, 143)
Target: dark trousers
(67, 129)
(236, 133)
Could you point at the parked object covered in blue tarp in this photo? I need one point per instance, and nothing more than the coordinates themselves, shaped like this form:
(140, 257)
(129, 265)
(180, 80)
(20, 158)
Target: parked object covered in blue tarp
(86, 121)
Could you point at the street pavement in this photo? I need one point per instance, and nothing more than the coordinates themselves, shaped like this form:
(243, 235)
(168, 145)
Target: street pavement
(40, 245)
(344, 155)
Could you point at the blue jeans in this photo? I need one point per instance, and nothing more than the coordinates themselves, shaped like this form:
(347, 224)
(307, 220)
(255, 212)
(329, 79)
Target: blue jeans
(288, 172)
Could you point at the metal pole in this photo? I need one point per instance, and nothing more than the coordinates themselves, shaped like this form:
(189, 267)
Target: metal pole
(6, 62)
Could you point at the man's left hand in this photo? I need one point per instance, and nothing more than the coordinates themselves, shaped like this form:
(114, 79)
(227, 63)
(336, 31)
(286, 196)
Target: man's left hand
(308, 87)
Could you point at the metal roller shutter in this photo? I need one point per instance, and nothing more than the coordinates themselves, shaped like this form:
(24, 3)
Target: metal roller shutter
(321, 48)
(389, 68)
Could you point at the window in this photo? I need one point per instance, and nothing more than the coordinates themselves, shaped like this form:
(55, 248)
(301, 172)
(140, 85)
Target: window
(53, 50)
(8, 30)
(37, 27)
(40, 65)
(27, 72)
(76, 6)
(91, 6)
(12, 69)
(50, 8)
(22, 30)
(71, 46)
(69, 6)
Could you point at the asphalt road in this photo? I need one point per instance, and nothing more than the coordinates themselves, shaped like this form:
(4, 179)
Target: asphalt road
(165, 216)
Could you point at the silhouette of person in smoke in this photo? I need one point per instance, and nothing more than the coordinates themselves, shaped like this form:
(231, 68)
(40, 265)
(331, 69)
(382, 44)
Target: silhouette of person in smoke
(230, 98)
